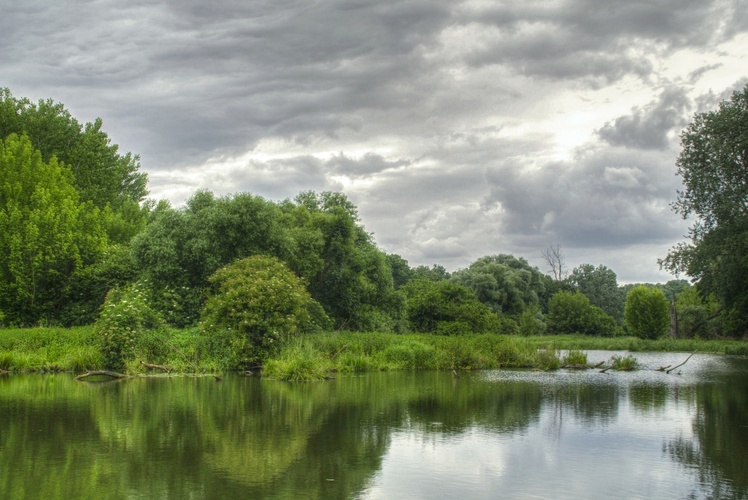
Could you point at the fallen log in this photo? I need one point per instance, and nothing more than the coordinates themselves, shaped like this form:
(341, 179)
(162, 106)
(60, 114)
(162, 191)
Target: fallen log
(104, 373)
(576, 366)
(166, 369)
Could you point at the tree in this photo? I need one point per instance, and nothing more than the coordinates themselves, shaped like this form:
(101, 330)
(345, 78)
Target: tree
(570, 312)
(255, 304)
(46, 234)
(600, 285)
(100, 174)
(647, 312)
(554, 257)
(505, 283)
(446, 307)
(712, 165)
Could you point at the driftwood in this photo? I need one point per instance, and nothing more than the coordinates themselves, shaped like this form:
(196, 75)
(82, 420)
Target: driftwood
(217, 377)
(676, 366)
(601, 363)
(105, 373)
(166, 369)
(576, 366)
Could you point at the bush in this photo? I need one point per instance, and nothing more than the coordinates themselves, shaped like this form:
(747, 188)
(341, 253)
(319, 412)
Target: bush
(572, 312)
(125, 317)
(254, 305)
(647, 312)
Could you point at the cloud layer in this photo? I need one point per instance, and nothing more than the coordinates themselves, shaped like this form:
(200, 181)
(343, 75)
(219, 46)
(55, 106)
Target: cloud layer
(459, 128)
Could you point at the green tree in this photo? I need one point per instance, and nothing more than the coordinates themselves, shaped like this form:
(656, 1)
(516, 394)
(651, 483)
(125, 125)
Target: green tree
(505, 283)
(600, 285)
(647, 312)
(46, 234)
(110, 180)
(570, 312)
(712, 164)
(255, 304)
(446, 307)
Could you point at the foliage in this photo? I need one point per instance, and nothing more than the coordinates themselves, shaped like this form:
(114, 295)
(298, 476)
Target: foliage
(505, 283)
(532, 322)
(712, 165)
(624, 363)
(647, 312)
(125, 318)
(345, 271)
(446, 307)
(46, 234)
(572, 312)
(255, 303)
(696, 315)
(574, 357)
(600, 285)
(100, 174)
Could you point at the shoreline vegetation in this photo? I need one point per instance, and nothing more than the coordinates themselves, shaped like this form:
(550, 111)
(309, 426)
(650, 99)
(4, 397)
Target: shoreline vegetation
(319, 356)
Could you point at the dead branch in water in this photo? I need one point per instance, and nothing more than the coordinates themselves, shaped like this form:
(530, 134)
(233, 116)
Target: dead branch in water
(104, 373)
(166, 369)
(676, 366)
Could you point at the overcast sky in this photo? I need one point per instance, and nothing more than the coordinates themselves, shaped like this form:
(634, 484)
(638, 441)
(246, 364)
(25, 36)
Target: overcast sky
(459, 128)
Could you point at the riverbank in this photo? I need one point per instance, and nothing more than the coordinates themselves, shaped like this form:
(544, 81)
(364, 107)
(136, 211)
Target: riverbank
(318, 356)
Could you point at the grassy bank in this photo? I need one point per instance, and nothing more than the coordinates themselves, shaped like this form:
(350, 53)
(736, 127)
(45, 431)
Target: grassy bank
(319, 355)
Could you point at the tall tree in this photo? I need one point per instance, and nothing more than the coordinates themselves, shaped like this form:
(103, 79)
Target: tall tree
(554, 257)
(505, 283)
(600, 285)
(46, 234)
(713, 164)
(101, 174)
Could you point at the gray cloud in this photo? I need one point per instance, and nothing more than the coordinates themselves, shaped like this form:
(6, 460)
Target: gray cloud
(448, 122)
(649, 128)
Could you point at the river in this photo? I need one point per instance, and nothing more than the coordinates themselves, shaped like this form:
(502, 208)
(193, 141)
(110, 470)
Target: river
(415, 435)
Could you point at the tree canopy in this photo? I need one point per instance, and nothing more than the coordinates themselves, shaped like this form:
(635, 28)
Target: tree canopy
(713, 164)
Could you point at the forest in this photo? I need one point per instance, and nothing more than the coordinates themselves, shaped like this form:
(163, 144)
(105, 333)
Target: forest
(82, 244)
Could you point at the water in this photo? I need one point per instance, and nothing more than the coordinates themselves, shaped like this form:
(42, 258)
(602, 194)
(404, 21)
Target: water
(492, 434)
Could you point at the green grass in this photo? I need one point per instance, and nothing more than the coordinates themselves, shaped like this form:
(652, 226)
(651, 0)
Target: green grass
(317, 356)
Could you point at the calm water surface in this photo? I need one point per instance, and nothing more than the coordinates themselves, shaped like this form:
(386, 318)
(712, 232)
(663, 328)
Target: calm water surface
(492, 434)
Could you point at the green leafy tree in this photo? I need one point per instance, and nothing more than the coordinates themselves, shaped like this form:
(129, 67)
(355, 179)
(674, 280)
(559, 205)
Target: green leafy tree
(571, 312)
(255, 304)
(712, 164)
(600, 285)
(110, 180)
(345, 271)
(46, 234)
(505, 283)
(647, 312)
(446, 307)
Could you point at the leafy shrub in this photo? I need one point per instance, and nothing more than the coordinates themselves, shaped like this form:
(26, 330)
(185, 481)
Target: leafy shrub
(572, 312)
(647, 312)
(254, 305)
(125, 317)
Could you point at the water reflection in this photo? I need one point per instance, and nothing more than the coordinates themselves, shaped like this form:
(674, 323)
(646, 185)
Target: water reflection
(484, 435)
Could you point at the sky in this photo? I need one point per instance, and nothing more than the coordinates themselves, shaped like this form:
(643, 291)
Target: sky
(458, 128)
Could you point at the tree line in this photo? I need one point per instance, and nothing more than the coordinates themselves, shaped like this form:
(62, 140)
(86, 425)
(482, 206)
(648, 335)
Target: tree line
(79, 239)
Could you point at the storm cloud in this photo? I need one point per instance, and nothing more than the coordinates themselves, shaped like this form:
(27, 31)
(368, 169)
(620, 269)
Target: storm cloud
(459, 128)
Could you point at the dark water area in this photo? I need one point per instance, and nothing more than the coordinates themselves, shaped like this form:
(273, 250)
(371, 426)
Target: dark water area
(490, 434)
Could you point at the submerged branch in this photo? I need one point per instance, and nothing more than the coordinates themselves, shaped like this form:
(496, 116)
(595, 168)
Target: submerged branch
(104, 373)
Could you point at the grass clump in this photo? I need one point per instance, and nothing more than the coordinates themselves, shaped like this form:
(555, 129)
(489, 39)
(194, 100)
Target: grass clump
(574, 357)
(624, 363)
(298, 361)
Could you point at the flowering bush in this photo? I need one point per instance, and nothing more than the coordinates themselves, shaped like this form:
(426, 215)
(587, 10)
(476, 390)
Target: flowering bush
(125, 316)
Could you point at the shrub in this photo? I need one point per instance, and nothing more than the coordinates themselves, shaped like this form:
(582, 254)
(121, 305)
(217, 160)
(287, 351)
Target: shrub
(254, 305)
(125, 316)
(647, 312)
(572, 312)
